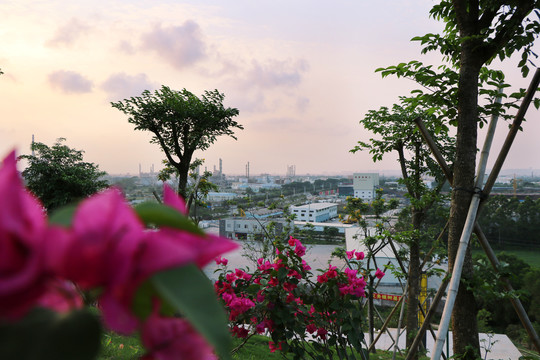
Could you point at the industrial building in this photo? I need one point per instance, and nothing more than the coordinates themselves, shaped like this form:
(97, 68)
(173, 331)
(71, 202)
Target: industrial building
(364, 185)
(315, 212)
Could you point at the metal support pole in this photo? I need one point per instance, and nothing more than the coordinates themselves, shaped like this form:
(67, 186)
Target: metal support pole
(463, 244)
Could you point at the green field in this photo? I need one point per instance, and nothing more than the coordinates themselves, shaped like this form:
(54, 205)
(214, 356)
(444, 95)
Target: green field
(531, 257)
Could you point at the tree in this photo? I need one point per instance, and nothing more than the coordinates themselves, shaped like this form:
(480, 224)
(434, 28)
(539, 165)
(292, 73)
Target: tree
(396, 132)
(58, 175)
(482, 31)
(476, 33)
(180, 123)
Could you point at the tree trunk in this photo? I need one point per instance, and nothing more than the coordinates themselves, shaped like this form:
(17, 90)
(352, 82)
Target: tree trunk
(183, 174)
(414, 284)
(464, 325)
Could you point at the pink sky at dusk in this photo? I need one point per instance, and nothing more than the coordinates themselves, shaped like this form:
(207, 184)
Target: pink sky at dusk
(300, 72)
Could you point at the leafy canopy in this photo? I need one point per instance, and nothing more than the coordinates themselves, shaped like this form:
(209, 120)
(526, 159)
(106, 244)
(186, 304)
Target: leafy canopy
(181, 123)
(57, 175)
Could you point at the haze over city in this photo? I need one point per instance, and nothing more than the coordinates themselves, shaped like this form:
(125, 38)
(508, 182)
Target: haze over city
(301, 74)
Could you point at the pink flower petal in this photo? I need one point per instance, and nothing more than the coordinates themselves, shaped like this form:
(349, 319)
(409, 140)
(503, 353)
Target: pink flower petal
(107, 234)
(22, 229)
(168, 338)
(172, 199)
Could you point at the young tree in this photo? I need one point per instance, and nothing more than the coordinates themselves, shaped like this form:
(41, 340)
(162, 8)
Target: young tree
(57, 175)
(180, 123)
(476, 33)
(396, 132)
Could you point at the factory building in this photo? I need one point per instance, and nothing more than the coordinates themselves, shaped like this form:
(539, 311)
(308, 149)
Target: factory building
(364, 185)
(315, 212)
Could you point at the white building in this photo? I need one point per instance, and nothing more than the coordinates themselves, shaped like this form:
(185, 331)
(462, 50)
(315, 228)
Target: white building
(364, 185)
(220, 196)
(315, 212)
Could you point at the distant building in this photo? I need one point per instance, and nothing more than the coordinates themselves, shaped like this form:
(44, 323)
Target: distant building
(220, 196)
(364, 185)
(244, 228)
(319, 227)
(315, 212)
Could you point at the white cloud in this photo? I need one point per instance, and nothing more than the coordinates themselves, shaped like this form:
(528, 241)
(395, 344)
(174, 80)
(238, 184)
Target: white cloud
(70, 82)
(69, 33)
(275, 73)
(120, 86)
(180, 46)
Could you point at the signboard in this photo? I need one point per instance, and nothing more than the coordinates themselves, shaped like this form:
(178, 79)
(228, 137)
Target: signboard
(386, 297)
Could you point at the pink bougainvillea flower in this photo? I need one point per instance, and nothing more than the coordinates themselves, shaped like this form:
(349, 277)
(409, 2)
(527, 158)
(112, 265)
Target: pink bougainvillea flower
(311, 328)
(292, 241)
(300, 250)
(22, 232)
(221, 261)
(260, 328)
(289, 286)
(349, 254)
(171, 199)
(61, 296)
(239, 273)
(295, 274)
(201, 249)
(107, 235)
(167, 338)
(230, 277)
(344, 289)
(239, 332)
(332, 272)
(321, 332)
(359, 255)
(379, 274)
(351, 274)
(273, 347)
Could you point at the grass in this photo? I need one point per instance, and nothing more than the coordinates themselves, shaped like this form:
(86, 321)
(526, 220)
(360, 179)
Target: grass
(531, 257)
(118, 347)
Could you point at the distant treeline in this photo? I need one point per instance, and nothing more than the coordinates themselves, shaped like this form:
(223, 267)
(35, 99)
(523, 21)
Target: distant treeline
(511, 223)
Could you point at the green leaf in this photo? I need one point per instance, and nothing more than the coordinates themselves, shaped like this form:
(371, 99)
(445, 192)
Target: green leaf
(63, 216)
(190, 292)
(163, 215)
(46, 335)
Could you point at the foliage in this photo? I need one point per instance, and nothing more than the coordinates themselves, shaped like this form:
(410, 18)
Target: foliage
(396, 131)
(497, 312)
(508, 222)
(57, 175)
(306, 316)
(475, 34)
(145, 282)
(180, 123)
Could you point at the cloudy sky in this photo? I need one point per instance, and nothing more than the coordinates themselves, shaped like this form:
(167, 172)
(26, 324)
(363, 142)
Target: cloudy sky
(300, 72)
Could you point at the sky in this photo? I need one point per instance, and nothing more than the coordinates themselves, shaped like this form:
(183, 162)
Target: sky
(301, 73)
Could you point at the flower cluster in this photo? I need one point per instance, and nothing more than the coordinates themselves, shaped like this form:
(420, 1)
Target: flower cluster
(288, 302)
(106, 249)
